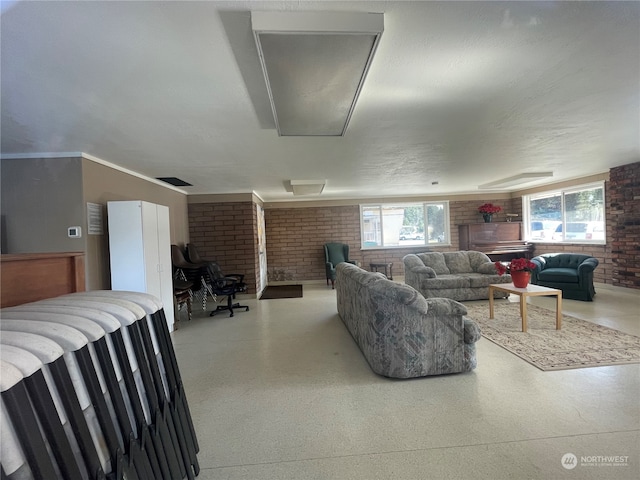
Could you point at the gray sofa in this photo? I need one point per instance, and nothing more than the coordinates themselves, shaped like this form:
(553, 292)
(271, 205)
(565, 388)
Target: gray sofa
(461, 276)
(400, 333)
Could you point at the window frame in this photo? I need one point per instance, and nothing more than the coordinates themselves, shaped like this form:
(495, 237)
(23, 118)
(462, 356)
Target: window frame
(563, 192)
(425, 204)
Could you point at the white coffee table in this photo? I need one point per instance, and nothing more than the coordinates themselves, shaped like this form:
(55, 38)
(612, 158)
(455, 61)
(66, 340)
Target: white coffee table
(523, 293)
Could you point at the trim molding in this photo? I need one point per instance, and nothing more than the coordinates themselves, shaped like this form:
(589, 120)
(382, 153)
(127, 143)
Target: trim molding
(86, 156)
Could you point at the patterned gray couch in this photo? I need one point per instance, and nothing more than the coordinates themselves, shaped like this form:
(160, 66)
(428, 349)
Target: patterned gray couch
(461, 276)
(400, 333)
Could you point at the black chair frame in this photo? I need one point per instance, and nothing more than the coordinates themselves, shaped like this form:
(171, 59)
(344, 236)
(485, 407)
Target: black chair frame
(225, 285)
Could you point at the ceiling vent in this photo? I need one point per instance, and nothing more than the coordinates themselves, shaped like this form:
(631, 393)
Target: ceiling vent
(176, 182)
(307, 187)
(315, 64)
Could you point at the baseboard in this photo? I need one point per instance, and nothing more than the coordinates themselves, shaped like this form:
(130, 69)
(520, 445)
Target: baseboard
(297, 282)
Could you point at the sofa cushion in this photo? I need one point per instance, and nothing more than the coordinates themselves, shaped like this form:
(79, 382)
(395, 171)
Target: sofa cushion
(563, 275)
(478, 280)
(458, 262)
(445, 282)
(436, 261)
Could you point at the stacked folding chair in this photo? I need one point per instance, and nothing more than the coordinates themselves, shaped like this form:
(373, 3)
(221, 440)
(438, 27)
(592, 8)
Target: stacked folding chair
(91, 390)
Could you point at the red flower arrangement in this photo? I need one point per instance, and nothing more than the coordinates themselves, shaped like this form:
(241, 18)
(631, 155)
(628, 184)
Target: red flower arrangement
(516, 265)
(489, 208)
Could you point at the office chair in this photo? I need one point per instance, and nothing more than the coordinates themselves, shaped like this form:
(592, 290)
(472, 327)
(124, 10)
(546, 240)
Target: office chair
(225, 285)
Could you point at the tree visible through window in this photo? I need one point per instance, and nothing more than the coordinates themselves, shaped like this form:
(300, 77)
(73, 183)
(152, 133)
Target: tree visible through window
(402, 225)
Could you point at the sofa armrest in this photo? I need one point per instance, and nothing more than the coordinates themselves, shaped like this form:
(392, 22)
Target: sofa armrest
(589, 265)
(440, 307)
(472, 331)
(413, 264)
(585, 271)
(487, 269)
(540, 263)
(426, 271)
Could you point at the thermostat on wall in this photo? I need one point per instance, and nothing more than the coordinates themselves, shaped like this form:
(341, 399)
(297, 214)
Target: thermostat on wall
(74, 232)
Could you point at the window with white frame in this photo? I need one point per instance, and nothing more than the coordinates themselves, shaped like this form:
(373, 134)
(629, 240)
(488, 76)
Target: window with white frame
(571, 215)
(397, 225)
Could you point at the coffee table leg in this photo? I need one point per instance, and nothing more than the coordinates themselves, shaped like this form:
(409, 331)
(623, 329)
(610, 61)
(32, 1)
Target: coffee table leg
(490, 302)
(559, 311)
(523, 312)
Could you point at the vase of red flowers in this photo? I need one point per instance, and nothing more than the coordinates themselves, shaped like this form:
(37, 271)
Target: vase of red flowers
(488, 210)
(520, 270)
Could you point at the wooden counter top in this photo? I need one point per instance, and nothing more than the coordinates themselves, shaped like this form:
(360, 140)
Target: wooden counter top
(28, 277)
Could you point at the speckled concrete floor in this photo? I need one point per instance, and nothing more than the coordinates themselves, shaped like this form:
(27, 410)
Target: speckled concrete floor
(282, 392)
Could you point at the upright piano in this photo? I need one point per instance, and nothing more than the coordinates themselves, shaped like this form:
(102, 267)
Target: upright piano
(501, 241)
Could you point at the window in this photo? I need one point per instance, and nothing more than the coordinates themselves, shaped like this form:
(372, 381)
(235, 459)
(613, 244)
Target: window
(404, 225)
(574, 215)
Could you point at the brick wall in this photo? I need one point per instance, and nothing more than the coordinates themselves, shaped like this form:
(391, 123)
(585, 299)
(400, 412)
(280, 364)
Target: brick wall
(227, 234)
(623, 224)
(295, 237)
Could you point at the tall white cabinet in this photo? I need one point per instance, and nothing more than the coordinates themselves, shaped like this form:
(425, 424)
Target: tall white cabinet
(140, 250)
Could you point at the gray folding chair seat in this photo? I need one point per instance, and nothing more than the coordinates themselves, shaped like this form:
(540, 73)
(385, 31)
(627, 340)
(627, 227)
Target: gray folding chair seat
(153, 372)
(139, 449)
(160, 335)
(25, 453)
(70, 398)
(127, 367)
(85, 370)
(129, 377)
(50, 416)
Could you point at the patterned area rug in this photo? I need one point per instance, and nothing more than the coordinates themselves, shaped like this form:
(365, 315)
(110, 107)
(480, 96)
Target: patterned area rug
(578, 344)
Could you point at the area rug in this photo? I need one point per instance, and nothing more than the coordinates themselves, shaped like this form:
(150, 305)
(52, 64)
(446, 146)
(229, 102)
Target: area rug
(578, 344)
(281, 291)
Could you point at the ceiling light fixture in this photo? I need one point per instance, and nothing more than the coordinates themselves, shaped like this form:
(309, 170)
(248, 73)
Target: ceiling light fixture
(314, 65)
(307, 187)
(519, 179)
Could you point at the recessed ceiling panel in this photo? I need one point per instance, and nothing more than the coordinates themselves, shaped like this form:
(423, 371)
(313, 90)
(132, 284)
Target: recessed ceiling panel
(315, 65)
(315, 79)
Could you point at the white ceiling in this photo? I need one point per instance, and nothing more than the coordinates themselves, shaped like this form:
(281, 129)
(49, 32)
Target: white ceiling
(460, 93)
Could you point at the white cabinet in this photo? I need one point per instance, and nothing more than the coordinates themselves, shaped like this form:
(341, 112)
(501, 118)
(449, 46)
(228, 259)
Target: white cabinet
(140, 250)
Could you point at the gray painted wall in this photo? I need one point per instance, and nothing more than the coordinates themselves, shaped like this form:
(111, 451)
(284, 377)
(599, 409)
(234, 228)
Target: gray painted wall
(40, 199)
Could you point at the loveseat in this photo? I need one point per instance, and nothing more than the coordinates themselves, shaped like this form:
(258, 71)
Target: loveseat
(400, 333)
(461, 276)
(570, 272)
